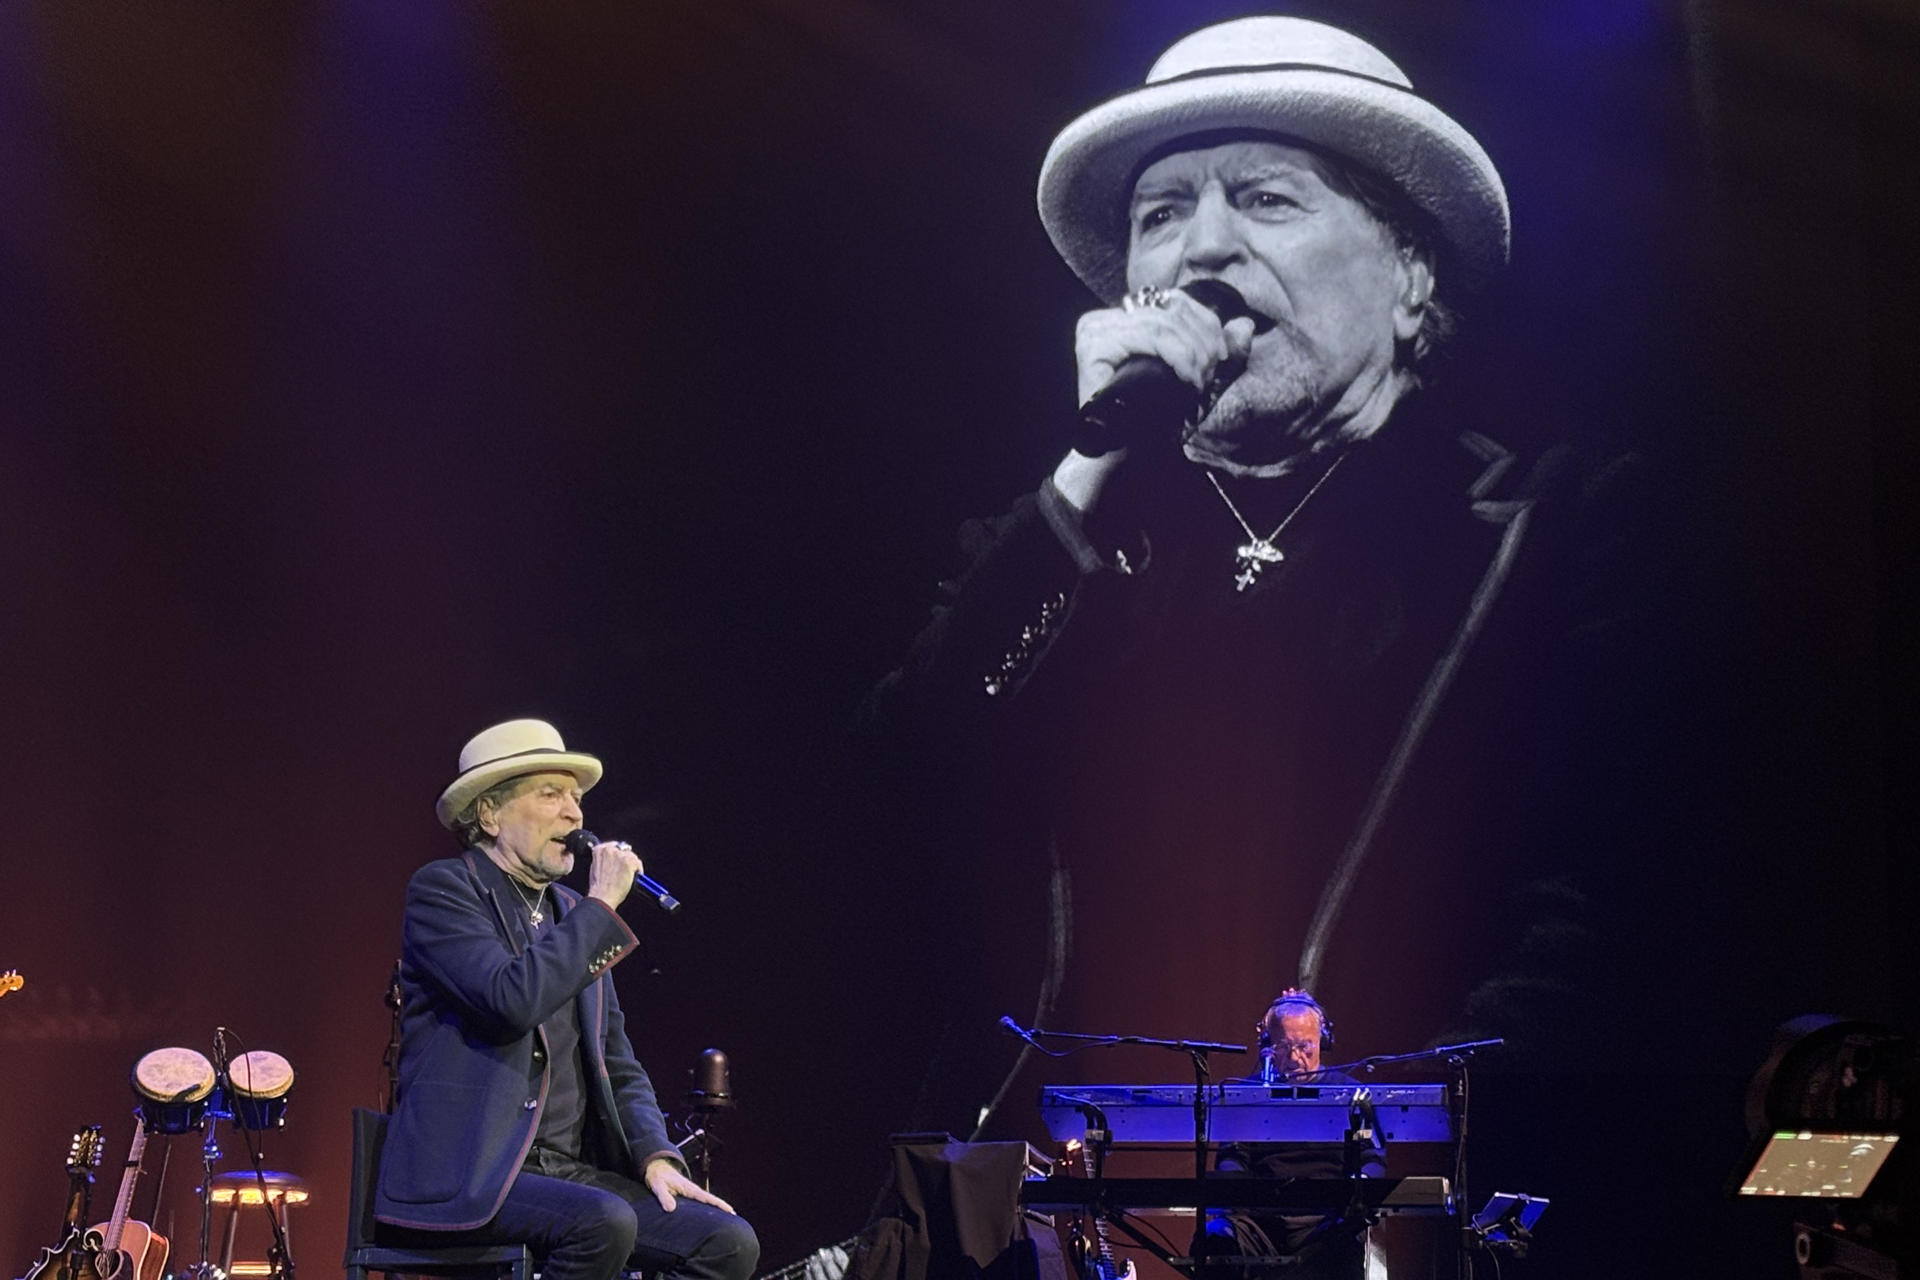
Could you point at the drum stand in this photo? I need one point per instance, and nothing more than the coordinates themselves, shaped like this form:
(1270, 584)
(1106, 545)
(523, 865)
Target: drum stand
(209, 1156)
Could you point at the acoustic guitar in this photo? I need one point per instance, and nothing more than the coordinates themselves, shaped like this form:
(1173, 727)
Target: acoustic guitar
(130, 1250)
(72, 1256)
(11, 981)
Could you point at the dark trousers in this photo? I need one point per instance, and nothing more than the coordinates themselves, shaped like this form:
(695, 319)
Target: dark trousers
(589, 1224)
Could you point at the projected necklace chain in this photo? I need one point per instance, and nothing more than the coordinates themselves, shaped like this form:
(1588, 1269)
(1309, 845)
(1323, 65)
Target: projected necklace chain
(1257, 553)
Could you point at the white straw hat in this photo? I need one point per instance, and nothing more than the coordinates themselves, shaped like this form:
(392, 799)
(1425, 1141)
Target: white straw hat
(507, 751)
(1289, 76)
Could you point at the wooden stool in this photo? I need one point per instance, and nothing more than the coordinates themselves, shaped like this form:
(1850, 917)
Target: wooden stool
(237, 1190)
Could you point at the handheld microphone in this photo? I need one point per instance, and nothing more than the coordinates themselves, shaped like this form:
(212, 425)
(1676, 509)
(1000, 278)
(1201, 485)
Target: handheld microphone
(1146, 399)
(580, 842)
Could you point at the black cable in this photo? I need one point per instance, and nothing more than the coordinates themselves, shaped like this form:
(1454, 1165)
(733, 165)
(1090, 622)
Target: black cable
(1143, 1225)
(160, 1179)
(256, 1153)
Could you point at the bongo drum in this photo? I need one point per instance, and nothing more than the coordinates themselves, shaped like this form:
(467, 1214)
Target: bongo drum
(172, 1087)
(257, 1087)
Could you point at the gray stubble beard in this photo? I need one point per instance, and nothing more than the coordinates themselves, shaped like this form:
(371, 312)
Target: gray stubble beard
(1264, 421)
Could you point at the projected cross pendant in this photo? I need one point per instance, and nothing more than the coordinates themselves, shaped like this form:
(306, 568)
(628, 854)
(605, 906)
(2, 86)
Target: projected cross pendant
(1252, 558)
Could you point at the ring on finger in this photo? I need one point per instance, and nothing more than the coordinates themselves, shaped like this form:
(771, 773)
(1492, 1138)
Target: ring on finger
(1146, 296)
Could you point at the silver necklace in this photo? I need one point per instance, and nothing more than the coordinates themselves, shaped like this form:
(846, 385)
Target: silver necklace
(534, 904)
(1259, 552)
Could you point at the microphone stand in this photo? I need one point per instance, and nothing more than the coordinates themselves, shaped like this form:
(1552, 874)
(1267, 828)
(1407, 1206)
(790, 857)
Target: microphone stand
(1456, 1056)
(390, 1061)
(210, 1156)
(712, 1094)
(278, 1254)
(1458, 1062)
(1198, 1051)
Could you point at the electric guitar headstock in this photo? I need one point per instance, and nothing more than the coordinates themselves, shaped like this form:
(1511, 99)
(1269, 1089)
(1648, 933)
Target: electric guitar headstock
(11, 981)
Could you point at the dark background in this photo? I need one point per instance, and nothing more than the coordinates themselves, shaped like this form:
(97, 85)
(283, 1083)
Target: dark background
(373, 372)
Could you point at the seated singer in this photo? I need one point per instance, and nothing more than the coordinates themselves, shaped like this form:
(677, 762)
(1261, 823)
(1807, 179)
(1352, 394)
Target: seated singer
(1291, 1036)
(522, 1114)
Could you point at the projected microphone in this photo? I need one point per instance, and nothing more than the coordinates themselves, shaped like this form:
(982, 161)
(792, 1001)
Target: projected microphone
(1146, 399)
(580, 842)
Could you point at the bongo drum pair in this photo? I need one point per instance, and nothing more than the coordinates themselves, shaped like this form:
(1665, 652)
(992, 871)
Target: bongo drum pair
(176, 1088)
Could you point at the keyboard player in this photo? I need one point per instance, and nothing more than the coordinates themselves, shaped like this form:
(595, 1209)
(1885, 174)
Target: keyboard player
(1292, 1034)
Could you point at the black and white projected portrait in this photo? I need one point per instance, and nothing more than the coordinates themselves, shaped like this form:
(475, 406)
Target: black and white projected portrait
(1260, 641)
(1353, 633)
(1295, 668)
(1310, 602)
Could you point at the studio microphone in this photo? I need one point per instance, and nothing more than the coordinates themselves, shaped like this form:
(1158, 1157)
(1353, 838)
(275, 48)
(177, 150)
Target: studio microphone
(1146, 399)
(712, 1082)
(580, 842)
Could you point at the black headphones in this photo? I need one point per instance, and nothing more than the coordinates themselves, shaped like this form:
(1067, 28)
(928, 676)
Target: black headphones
(1301, 1001)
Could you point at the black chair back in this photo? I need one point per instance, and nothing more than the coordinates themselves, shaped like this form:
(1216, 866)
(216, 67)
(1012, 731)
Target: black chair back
(366, 1255)
(369, 1135)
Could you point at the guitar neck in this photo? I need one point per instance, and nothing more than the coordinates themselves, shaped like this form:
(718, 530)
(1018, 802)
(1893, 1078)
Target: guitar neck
(793, 1269)
(131, 1175)
(79, 1201)
(1107, 1266)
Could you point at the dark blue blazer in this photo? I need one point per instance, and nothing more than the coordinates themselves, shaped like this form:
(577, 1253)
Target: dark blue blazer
(475, 994)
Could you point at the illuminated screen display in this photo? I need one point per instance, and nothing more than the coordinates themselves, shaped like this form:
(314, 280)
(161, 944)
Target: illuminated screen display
(1828, 1166)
